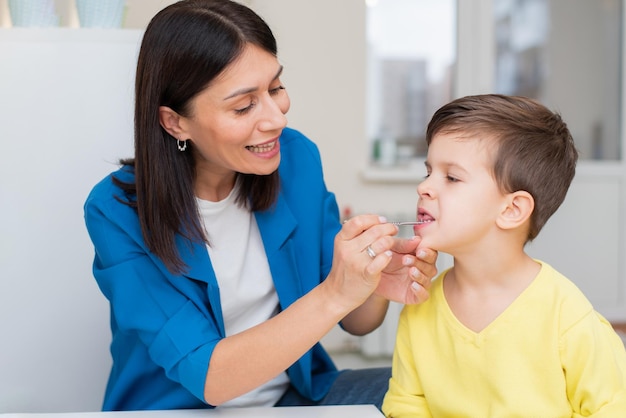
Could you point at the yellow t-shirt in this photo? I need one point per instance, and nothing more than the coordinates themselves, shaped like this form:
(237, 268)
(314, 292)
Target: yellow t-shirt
(548, 355)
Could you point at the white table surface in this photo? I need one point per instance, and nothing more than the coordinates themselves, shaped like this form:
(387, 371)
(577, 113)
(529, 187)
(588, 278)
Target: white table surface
(339, 411)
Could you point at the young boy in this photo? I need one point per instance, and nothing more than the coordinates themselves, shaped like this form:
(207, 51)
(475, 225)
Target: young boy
(502, 335)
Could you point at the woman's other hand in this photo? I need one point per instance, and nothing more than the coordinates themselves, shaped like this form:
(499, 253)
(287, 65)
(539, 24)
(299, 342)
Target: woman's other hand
(407, 277)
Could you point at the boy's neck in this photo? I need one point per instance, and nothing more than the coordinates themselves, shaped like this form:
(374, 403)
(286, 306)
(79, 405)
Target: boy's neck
(499, 269)
(478, 291)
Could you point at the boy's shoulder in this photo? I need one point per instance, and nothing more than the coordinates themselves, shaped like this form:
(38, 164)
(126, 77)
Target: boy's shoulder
(563, 293)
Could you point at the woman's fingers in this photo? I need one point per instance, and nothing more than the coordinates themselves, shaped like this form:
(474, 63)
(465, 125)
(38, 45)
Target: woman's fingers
(422, 259)
(368, 233)
(355, 226)
(362, 251)
(419, 294)
(426, 265)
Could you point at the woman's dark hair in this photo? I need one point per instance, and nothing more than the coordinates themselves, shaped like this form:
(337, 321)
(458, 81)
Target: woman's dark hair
(533, 149)
(185, 46)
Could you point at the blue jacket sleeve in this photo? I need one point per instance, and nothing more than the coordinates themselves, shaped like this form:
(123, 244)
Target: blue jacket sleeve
(158, 320)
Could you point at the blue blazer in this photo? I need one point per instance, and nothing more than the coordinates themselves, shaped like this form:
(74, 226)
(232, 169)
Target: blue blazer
(165, 326)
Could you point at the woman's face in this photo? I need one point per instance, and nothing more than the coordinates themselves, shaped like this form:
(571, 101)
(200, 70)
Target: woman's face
(235, 123)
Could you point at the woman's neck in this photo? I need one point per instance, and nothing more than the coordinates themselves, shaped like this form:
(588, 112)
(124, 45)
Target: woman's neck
(214, 188)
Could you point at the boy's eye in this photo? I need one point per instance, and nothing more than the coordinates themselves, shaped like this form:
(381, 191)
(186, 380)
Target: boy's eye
(451, 179)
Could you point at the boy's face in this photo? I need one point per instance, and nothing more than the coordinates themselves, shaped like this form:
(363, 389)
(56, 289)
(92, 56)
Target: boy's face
(459, 199)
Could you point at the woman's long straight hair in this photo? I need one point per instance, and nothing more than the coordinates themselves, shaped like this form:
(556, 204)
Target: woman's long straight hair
(185, 46)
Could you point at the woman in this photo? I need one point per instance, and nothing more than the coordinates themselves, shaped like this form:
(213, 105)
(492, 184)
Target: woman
(218, 244)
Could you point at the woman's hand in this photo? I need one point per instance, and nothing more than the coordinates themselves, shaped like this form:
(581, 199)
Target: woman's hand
(407, 277)
(371, 267)
(355, 273)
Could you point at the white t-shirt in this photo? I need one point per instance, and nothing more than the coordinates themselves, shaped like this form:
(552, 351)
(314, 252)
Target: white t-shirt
(247, 291)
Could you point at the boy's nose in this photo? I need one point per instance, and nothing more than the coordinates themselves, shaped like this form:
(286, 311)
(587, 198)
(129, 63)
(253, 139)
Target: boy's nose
(423, 189)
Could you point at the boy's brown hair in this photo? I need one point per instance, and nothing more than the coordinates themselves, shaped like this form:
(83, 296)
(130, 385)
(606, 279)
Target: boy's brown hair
(533, 150)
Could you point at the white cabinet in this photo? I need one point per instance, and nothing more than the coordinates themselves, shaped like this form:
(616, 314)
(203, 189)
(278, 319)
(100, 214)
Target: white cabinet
(66, 109)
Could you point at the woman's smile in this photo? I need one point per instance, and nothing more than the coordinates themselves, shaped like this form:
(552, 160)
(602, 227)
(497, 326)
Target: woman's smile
(267, 149)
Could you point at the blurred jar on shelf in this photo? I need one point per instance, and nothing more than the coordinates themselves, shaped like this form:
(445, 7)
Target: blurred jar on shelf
(101, 13)
(33, 13)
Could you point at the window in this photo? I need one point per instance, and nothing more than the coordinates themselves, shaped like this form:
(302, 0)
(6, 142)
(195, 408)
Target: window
(411, 53)
(424, 53)
(567, 54)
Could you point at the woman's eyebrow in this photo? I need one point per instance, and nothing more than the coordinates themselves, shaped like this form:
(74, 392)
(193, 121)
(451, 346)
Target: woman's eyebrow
(278, 73)
(247, 90)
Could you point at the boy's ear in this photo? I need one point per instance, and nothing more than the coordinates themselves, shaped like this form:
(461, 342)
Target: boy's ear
(519, 207)
(171, 122)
